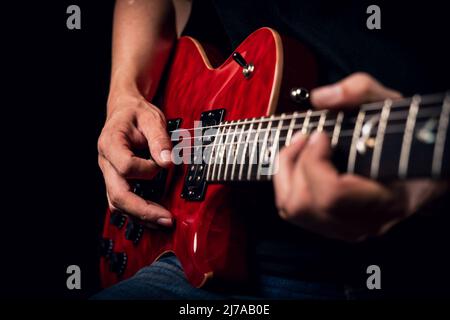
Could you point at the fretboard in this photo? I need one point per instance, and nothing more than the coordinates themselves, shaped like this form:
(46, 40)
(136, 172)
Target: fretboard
(388, 140)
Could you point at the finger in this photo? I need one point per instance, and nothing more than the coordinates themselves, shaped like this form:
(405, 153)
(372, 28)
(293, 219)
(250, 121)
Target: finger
(152, 125)
(354, 90)
(286, 161)
(125, 200)
(327, 186)
(340, 194)
(117, 150)
(315, 161)
(350, 205)
(418, 192)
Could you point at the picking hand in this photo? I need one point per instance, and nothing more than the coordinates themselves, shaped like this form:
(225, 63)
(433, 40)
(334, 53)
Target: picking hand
(133, 123)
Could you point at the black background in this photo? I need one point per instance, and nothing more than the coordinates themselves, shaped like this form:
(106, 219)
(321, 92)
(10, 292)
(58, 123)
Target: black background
(54, 90)
(55, 84)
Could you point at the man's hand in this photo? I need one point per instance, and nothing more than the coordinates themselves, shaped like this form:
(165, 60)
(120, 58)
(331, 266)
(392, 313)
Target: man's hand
(312, 194)
(132, 124)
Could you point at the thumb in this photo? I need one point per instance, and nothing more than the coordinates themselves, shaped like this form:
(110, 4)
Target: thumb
(160, 146)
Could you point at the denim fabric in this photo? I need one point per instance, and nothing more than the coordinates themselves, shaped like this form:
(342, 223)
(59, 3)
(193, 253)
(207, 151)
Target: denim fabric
(165, 280)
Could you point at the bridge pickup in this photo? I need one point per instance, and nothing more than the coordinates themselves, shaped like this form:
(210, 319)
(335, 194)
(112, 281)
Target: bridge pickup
(153, 189)
(195, 183)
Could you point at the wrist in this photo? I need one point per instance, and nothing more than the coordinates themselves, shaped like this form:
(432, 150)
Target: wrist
(123, 96)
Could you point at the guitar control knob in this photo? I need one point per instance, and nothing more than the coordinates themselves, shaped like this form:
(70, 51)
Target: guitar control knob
(118, 262)
(134, 231)
(117, 219)
(299, 95)
(106, 247)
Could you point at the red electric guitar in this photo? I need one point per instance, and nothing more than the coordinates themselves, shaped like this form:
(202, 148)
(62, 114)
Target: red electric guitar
(237, 140)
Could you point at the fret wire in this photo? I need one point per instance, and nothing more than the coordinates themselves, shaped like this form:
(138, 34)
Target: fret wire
(322, 119)
(217, 154)
(441, 137)
(237, 151)
(356, 134)
(276, 146)
(263, 151)
(337, 129)
(212, 152)
(408, 137)
(405, 102)
(223, 151)
(379, 139)
(229, 150)
(252, 155)
(241, 168)
(306, 122)
(290, 129)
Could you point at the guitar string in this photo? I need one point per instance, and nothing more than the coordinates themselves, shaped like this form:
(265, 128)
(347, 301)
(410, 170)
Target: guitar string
(343, 134)
(221, 160)
(377, 106)
(399, 115)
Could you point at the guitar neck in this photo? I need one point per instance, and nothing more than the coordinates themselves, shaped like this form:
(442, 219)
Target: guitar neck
(398, 139)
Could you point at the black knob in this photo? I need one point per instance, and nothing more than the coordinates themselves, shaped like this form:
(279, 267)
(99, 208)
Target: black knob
(106, 247)
(118, 262)
(134, 231)
(299, 95)
(239, 59)
(117, 219)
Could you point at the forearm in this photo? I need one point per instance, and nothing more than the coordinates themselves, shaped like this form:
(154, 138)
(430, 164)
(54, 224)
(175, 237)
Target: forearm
(143, 34)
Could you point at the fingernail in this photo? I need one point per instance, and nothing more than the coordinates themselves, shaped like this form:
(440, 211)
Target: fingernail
(165, 156)
(166, 222)
(298, 136)
(315, 136)
(328, 95)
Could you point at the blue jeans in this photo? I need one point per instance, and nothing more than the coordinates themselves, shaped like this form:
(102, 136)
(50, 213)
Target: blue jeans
(165, 280)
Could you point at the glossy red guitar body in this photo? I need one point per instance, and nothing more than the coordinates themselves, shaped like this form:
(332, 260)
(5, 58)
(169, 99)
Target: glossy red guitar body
(209, 237)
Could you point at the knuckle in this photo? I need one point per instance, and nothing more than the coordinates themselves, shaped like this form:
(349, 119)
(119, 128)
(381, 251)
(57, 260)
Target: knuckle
(116, 200)
(102, 142)
(364, 81)
(151, 214)
(154, 116)
(125, 167)
(282, 155)
(292, 210)
(362, 76)
(328, 201)
(113, 209)
(100, 162)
